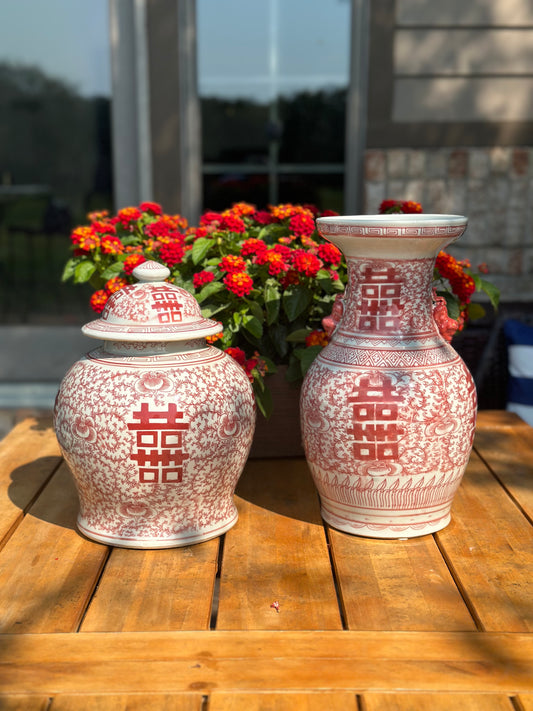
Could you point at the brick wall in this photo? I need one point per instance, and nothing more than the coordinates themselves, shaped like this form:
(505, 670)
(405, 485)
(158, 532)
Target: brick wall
(493, 187)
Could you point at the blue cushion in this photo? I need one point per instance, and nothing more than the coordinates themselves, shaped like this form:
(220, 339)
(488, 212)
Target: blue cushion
(519, 339)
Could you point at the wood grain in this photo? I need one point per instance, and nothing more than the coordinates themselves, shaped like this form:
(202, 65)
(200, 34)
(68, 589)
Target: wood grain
(277, 553)
(47, 570)
(29, 454)
(436, 702)
(220, 701)
(508, 451)
(266, 661)
(24, 702)
(155, 590)
(489, 546)
(396, 585)
(128, 702)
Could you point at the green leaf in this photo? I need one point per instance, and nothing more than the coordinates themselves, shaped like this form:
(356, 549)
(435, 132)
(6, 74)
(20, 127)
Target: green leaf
(83, 272)
(256, 310)
(200, 249)
(272, 302)
(307, 356)
(278, 336)
(263, 398)
(452, 304)
(491, 291)
(112, 270)
(299, 335)
(68, 271)
(252, 325)
(208, 290)
(475, 311)
(296, 300)
(210, 311)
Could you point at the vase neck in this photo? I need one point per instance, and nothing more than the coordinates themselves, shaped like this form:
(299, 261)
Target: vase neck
(389, 298)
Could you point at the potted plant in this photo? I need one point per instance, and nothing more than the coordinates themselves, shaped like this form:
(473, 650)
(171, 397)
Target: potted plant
(266, 275)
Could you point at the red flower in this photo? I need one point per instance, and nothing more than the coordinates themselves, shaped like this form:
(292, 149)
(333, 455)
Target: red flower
(239, 283)
(302, 224)
(328, 213)
(233, 224)
(133, 261)
(159, 229)
(128, 215)
(85, 238)
(317, 338)
(209, 217)
(237, 354)
(253, 246)
(306, 263)
(262, 217)
(462, 284)
(98, 300)
(275, 259)
(232, 263)
(152, 207)
(202, 278)
(111, 244)
(115, 284)
(330, 254)
(171, 253)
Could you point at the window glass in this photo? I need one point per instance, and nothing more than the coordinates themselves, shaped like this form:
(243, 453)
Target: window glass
(55, 146)
(272, 81)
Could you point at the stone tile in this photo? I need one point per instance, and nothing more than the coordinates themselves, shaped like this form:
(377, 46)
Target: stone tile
(500, 160)
(520, 162)
(478, 163)
(416, 164)
(396, 163)
(458, 163)
(375, 165)
(437, 164)
(374, 196)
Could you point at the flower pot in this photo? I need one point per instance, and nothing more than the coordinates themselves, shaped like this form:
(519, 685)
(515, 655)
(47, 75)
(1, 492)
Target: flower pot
(155, 425)
(388, 407)
(280, 435)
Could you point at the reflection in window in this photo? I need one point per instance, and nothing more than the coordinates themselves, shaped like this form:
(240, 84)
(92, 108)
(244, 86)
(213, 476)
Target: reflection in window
(272, 87)
(55, 148)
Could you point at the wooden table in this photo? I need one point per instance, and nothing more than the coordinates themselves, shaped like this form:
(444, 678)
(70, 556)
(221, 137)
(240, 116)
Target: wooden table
(432, 623)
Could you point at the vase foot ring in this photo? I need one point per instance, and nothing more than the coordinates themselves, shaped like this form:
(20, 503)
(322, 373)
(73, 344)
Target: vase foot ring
(399, 532)
(181, 540)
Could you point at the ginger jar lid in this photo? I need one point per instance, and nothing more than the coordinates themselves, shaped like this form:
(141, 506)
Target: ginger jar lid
(151, 310)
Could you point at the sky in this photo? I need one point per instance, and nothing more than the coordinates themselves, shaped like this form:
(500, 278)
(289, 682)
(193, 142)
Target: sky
(67, 39)
(253, 48)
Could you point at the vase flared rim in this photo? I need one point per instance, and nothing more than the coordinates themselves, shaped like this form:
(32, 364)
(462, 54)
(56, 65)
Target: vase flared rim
(395, 220)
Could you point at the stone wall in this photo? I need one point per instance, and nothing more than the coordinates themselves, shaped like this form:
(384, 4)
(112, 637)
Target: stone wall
(493, 187)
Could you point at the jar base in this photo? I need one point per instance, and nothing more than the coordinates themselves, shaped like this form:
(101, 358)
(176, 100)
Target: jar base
(184, 538)
(384, 524)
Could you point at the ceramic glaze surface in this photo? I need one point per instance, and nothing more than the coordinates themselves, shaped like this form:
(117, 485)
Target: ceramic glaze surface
(156, 435)
(388, 407)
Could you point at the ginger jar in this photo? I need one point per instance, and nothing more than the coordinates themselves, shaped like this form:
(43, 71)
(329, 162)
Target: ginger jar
(388, 408)
(155, 424)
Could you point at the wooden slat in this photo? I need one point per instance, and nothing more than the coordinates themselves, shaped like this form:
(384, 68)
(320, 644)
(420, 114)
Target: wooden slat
(396, 585)
(24, 702)
(203, 662)
(436, 702)
(489, 547)
(47, 570)
(140, 702)
(282, 702)
(155, 590)
(526, 702)
(29, 454)
(277, 553)
(506, 445)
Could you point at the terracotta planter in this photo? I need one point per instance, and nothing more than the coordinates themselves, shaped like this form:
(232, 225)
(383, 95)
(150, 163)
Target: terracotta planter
(388, 407)
(280, 436)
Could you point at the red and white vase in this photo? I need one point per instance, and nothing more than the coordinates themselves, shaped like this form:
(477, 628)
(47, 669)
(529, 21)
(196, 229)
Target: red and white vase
(388, 408)
(156, 425)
